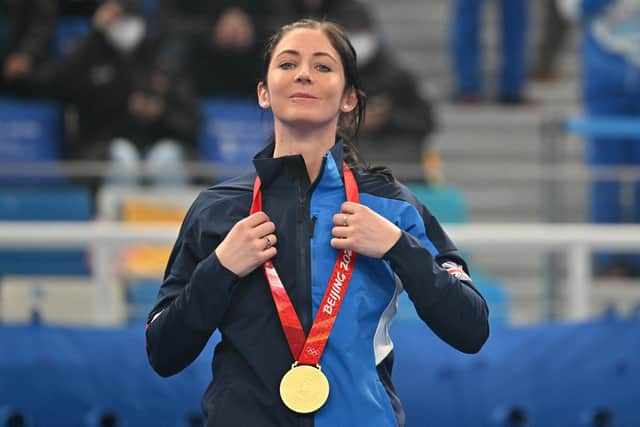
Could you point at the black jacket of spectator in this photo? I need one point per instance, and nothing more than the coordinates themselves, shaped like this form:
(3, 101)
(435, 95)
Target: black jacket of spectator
(30, 25)
(85, 8)
(186, 32)
(410, 114)
(26, 28)
(286, 11)
(96, 81)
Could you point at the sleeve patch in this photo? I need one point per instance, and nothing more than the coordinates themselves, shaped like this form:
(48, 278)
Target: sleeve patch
(456, 270)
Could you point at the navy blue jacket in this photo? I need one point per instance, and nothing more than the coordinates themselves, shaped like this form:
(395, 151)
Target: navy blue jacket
(199, 295)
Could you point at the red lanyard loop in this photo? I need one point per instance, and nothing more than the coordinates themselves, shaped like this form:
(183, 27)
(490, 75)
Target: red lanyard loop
(308, 350)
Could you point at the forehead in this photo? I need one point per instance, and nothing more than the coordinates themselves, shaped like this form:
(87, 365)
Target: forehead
(306, 40)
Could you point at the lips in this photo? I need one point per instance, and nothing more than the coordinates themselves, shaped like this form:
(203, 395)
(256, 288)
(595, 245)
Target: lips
(303, 95)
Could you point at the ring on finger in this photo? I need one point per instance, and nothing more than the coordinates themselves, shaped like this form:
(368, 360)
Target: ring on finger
(345, 220)
(268, 242)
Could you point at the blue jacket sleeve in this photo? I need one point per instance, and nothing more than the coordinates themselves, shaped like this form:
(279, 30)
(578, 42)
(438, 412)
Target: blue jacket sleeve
(192, 300)
(448, 303)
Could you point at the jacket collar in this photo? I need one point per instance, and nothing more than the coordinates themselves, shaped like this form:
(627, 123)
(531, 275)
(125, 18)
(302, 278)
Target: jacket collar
(268, 168)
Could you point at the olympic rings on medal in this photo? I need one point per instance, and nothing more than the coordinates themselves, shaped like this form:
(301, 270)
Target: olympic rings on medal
(345, 221)
(268, 242)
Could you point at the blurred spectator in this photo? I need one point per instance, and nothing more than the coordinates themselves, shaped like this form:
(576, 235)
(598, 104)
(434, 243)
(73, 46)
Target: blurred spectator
(555, 29)
(26, 30)
(399, 119)
(217, 42)
(125, 110)
(610, 87)
(465, 45)
(338, 11)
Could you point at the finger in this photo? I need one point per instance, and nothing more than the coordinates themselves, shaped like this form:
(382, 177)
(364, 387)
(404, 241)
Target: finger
(267, 255)
(256, 219)
(350, 207)
(268, 241)
(340, 232)
(340, 243)
(263, 229)
(341, 219)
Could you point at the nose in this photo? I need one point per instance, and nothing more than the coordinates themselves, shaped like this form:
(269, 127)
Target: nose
(303, 75)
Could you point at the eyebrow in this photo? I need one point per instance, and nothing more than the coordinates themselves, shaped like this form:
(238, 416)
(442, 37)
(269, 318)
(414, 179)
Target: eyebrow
(296, 53)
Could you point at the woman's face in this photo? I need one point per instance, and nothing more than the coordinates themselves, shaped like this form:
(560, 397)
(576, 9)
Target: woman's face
(305, 81)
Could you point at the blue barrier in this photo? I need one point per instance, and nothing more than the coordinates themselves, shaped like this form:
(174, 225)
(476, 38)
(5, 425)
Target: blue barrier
(563, 375)
(64, 204)
(603, 126)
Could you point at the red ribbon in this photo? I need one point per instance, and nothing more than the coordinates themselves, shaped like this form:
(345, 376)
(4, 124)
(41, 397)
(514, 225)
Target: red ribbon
(308, 350)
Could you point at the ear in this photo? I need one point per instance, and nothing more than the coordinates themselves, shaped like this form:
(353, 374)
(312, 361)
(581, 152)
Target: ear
(263, 96)
(349, 100)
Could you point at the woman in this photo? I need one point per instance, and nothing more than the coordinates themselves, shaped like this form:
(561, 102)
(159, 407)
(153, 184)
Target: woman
(308, 240)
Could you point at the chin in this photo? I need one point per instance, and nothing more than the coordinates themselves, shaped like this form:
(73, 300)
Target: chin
(311, 119)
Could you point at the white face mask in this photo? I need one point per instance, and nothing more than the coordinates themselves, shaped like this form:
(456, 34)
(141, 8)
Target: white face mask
(366, 46)
(125, 32)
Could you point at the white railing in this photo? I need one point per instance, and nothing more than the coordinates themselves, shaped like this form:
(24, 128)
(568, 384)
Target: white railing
(106, 239)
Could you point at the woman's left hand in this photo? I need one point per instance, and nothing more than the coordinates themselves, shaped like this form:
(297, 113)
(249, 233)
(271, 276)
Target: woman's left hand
(362, 230)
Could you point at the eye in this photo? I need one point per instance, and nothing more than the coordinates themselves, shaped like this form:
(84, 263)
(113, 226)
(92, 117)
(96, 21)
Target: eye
(286, 65)
(323, 68)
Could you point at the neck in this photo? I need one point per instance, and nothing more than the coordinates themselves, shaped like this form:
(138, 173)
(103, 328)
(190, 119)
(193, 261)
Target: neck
(312, 144)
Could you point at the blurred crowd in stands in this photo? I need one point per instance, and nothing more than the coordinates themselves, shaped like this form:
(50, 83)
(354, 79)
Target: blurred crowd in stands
(130, 74)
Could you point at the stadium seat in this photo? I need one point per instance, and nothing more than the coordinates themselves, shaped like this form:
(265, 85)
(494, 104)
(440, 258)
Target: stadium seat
(496, 296)
(141, 296)
(64, 204)
(142, 265)
(446, 203)
(232, 132)
(69, 31)
(60, 204)
(29, 132)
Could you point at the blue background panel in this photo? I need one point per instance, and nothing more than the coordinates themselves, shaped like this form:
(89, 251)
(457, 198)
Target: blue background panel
(556, 375)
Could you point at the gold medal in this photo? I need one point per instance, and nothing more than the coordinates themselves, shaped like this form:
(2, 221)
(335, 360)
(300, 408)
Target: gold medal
(304, 389)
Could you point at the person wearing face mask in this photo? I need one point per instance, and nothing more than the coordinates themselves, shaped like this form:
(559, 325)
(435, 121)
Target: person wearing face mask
(399, 118)
(119, 107)
(26, 32)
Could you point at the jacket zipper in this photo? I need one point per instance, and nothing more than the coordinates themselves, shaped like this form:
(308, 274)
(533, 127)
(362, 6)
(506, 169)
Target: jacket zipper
(304, 245)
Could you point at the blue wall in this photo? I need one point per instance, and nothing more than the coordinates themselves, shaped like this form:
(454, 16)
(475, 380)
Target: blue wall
(557, 375)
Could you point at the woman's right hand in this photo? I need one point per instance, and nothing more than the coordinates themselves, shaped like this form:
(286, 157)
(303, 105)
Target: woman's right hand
(250, 242)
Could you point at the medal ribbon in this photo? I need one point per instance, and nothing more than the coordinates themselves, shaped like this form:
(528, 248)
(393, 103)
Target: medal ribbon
(308, 350)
